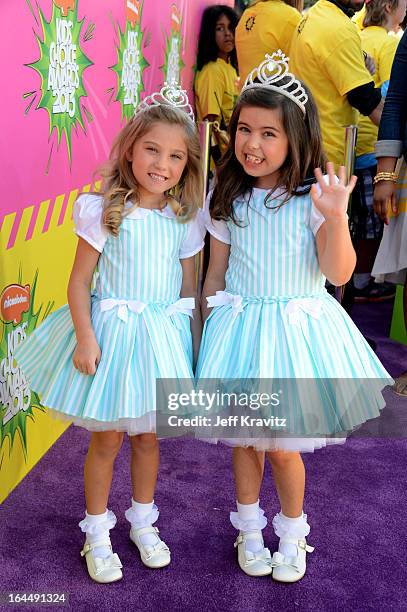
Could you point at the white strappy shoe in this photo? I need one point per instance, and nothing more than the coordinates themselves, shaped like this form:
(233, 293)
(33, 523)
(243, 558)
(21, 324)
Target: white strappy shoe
(291, 568)
(253, 564)
(102, 570)
(154, 556)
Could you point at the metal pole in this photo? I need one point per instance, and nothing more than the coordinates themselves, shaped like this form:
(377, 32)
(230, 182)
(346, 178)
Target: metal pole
(351, 132)
(205, 134)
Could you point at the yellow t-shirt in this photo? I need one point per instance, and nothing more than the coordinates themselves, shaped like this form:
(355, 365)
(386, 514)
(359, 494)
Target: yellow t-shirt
(359, 17)
(216, 90)
(326, 54)
(263, 28)
(382, 47)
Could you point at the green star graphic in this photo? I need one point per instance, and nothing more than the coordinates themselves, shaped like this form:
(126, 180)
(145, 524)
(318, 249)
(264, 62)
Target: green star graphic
(168, 47)
(61, 66)
(129, 68)
(18, 422)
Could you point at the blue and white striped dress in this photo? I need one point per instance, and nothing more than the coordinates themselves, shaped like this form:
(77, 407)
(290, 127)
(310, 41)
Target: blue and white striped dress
(275, 319)
(141, 324)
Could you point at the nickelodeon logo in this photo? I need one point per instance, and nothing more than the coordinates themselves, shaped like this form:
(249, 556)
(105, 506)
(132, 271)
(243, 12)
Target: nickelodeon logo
(65, 5)
(133, 13)
(175, 18)
(14, 300)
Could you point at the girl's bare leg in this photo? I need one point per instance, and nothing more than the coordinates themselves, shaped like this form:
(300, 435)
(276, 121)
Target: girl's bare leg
(289, 477)
(248, 468)
(98, 472)
(145, 459)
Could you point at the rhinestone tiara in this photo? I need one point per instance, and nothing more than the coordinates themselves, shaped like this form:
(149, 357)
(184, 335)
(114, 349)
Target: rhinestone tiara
(269, 74)
(169, 95)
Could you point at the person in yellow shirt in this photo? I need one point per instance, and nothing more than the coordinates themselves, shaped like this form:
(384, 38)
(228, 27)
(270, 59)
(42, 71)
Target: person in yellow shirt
(359, 17)
(381, 17)
(326, 54)
(216, 81)
(265, 26)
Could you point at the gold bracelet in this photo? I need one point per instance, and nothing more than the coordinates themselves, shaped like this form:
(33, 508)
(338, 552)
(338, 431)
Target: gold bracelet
(385, 176)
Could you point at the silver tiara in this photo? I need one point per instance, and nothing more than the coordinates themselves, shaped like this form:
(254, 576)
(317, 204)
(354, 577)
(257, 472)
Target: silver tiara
(269, 74)
(169, 95)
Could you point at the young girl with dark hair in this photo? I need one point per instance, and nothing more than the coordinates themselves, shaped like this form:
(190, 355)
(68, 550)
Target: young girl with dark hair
(277, 233)
(216, 79)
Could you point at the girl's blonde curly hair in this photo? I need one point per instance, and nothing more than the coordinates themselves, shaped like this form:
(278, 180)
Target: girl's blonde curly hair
(119, 186)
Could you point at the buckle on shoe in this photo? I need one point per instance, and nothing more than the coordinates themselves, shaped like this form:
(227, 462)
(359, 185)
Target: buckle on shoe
(86, 548)
(304, 546)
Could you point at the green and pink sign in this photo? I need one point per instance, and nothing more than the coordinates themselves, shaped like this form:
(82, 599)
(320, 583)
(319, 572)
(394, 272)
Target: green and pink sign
(75, 71)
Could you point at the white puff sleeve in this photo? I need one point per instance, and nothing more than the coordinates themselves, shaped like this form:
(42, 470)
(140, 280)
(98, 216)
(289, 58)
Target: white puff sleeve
(316, 217)
(316, 220)
(194, 239)
(87, 216)
(217, 228)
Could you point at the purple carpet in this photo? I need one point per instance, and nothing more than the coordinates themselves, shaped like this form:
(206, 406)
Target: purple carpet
(355, 501)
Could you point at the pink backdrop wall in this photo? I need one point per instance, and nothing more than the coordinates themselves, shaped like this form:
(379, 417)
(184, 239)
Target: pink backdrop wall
(65, 67)
(33, 166)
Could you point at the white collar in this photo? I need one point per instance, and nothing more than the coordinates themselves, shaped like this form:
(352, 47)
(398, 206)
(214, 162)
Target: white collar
(143, 213)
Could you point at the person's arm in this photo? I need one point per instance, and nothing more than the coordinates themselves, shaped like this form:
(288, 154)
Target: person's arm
(369, 63)
(384, 193)
(188, 289)
(376, 113)
(345, 66)
(391, 132)
(215, 276)
(336, 255)
(393, 123)
(209, 90)
(87, 352)
(367, 100)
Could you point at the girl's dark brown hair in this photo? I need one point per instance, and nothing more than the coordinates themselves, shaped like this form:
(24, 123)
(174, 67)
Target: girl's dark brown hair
(304, 153)
(207, 48)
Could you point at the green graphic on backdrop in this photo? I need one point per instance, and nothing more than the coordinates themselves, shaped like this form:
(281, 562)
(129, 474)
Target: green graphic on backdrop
(61, 66)
(17, 401)
(173, 63)
(130, 66)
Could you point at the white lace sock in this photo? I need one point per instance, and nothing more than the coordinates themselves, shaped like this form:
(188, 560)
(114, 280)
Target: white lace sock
(249, 517)
(97, 527)
(286, 527)
(143, 515)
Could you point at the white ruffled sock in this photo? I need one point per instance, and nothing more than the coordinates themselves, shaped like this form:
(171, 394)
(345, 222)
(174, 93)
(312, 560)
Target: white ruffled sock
(250, 514)
(285, 526)
(143, 515)
(97, 527)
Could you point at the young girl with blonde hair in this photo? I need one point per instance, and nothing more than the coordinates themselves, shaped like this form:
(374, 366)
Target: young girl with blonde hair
(97, 361)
